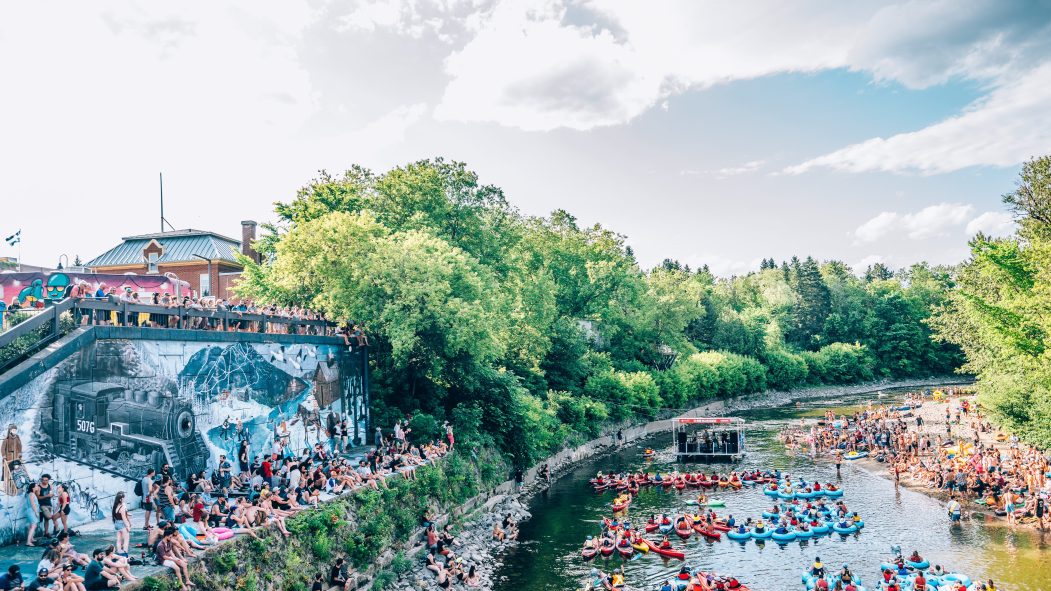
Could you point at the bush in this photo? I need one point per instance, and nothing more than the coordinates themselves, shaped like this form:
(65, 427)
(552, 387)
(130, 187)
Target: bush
(424, 427)
(225, 561)
(785, 370)
(840, 363)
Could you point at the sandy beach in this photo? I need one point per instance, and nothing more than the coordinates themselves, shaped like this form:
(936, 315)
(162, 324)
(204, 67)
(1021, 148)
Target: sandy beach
(933, 415)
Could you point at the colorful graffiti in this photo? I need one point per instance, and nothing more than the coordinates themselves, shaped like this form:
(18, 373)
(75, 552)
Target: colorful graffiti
(115, 408)
(30, 288)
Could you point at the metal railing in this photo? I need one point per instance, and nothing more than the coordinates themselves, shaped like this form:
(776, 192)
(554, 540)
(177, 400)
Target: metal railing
(127, 314)
(92, 312)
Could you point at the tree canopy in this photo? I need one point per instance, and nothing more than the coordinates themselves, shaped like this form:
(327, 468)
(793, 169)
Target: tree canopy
(544, 329)
(999, 314)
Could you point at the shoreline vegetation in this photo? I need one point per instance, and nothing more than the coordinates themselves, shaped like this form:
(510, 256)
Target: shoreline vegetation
(545, 330)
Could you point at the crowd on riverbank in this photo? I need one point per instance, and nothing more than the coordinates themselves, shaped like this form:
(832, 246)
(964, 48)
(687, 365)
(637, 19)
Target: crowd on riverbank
(949, 450)
(184, 516)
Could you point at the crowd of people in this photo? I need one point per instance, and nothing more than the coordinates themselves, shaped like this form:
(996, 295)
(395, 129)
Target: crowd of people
(960, 457)
(205, 304)
(183, 516)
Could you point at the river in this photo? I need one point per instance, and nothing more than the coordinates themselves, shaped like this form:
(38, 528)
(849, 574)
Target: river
(548, 557)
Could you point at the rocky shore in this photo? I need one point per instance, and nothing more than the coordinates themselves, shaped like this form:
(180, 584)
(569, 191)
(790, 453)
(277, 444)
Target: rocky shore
(474, 545)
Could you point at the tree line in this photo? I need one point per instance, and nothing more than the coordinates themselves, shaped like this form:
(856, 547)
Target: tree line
(534, 332)
(1000, 312)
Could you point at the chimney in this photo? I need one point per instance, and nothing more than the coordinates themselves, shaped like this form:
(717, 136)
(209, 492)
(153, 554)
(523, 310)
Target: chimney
(247, 237)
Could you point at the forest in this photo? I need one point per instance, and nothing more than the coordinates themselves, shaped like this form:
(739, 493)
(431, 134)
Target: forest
(531, 333)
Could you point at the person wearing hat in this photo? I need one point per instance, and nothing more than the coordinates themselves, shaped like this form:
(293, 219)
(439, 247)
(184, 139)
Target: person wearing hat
(42, 581)
(11, 450)
(12, 579)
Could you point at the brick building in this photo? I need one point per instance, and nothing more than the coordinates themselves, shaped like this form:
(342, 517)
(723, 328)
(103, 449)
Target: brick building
(206, 260)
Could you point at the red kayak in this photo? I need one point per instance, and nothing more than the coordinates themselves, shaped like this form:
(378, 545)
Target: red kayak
(742, 587)
(625, 551)
(720, 527)
(713, 535)
(667, 553)
(606, 550)
(588, 553)
(651, 527)
(684, 533)
(681, 484)
(621, 506)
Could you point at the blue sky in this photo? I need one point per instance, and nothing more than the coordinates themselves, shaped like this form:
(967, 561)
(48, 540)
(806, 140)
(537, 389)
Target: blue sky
(713, 133)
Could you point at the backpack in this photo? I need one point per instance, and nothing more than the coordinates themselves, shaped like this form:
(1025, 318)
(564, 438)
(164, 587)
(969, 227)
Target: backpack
(138, 488)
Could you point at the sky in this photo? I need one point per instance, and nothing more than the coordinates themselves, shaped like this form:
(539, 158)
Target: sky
(716, 133)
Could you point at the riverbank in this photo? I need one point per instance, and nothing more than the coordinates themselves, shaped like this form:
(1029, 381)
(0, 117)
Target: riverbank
(933, 416)
(475, 542)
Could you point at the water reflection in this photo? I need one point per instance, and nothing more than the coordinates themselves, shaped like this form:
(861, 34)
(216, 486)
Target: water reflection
(549, 557)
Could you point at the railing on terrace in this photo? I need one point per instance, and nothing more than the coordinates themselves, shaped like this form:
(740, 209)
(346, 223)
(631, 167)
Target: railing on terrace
(86, 311)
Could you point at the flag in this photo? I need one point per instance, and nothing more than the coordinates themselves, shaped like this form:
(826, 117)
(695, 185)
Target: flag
(15, 238)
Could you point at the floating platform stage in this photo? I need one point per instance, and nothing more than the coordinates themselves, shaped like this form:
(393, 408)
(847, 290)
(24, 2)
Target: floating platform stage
(709, 439)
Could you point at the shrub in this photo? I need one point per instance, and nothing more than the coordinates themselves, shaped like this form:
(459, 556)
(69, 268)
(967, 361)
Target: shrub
(424, 427)
(785, 370)
(225, 561)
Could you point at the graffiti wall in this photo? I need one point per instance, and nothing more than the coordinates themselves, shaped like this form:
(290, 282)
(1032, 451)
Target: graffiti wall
(26, 289)
(113, 409)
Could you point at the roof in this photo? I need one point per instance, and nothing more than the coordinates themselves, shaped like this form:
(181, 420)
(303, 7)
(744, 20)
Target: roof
(179, 246)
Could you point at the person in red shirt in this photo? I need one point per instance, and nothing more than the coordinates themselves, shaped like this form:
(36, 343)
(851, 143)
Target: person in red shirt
(919, 583)
(267, 470)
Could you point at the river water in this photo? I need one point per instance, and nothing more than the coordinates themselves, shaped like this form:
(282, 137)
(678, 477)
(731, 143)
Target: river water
(563, 516)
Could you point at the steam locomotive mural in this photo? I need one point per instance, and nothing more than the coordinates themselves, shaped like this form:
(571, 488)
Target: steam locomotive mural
(117, 407)
(125, 431)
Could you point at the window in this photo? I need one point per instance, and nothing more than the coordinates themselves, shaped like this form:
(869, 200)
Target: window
(206, 285)
(152, 260)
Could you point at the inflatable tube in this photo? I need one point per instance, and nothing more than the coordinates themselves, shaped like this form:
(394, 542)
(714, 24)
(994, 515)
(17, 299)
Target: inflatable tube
(820, 528)
(844, 530)
(736, 535)
(919, 565)
(769, 515)
(855, 455)
(834, 494)
(785, 537)
(807, 495)
(788, 496)
(957, 577)
(761, 535)
(188, 532)
(770, 493)
(223, 533)
(803, 534)
(859, 523)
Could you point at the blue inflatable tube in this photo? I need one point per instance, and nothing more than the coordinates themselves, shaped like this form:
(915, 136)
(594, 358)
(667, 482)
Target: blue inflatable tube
(769, 493)
(859, 523)
(803, 534)
(769, 515)
(821, 528)
(807, 495)
(786, 495)
(844, 530)
(733, 534)
(785, 537)
(834, 494)
(855, 455)
(920, 565)
(957, 577)
(761, 535)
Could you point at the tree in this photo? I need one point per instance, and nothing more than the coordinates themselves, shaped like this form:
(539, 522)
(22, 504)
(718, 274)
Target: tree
(812, 307)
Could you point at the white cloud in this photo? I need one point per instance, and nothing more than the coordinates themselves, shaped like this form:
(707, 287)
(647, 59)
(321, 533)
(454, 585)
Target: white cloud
(1010, 125)
(536, 65)
(992, 223)
(929, 222)
(722, 173)
(866, 262)
(390, 128)
(935, 220)
(877, 227)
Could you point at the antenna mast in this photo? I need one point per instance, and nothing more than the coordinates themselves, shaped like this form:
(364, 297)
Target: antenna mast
(163, 219)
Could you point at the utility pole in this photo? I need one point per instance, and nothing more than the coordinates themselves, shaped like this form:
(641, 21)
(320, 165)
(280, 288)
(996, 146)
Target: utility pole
(161, 174)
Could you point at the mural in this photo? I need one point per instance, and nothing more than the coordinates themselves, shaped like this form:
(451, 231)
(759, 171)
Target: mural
(27, 289)
(110, 411)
